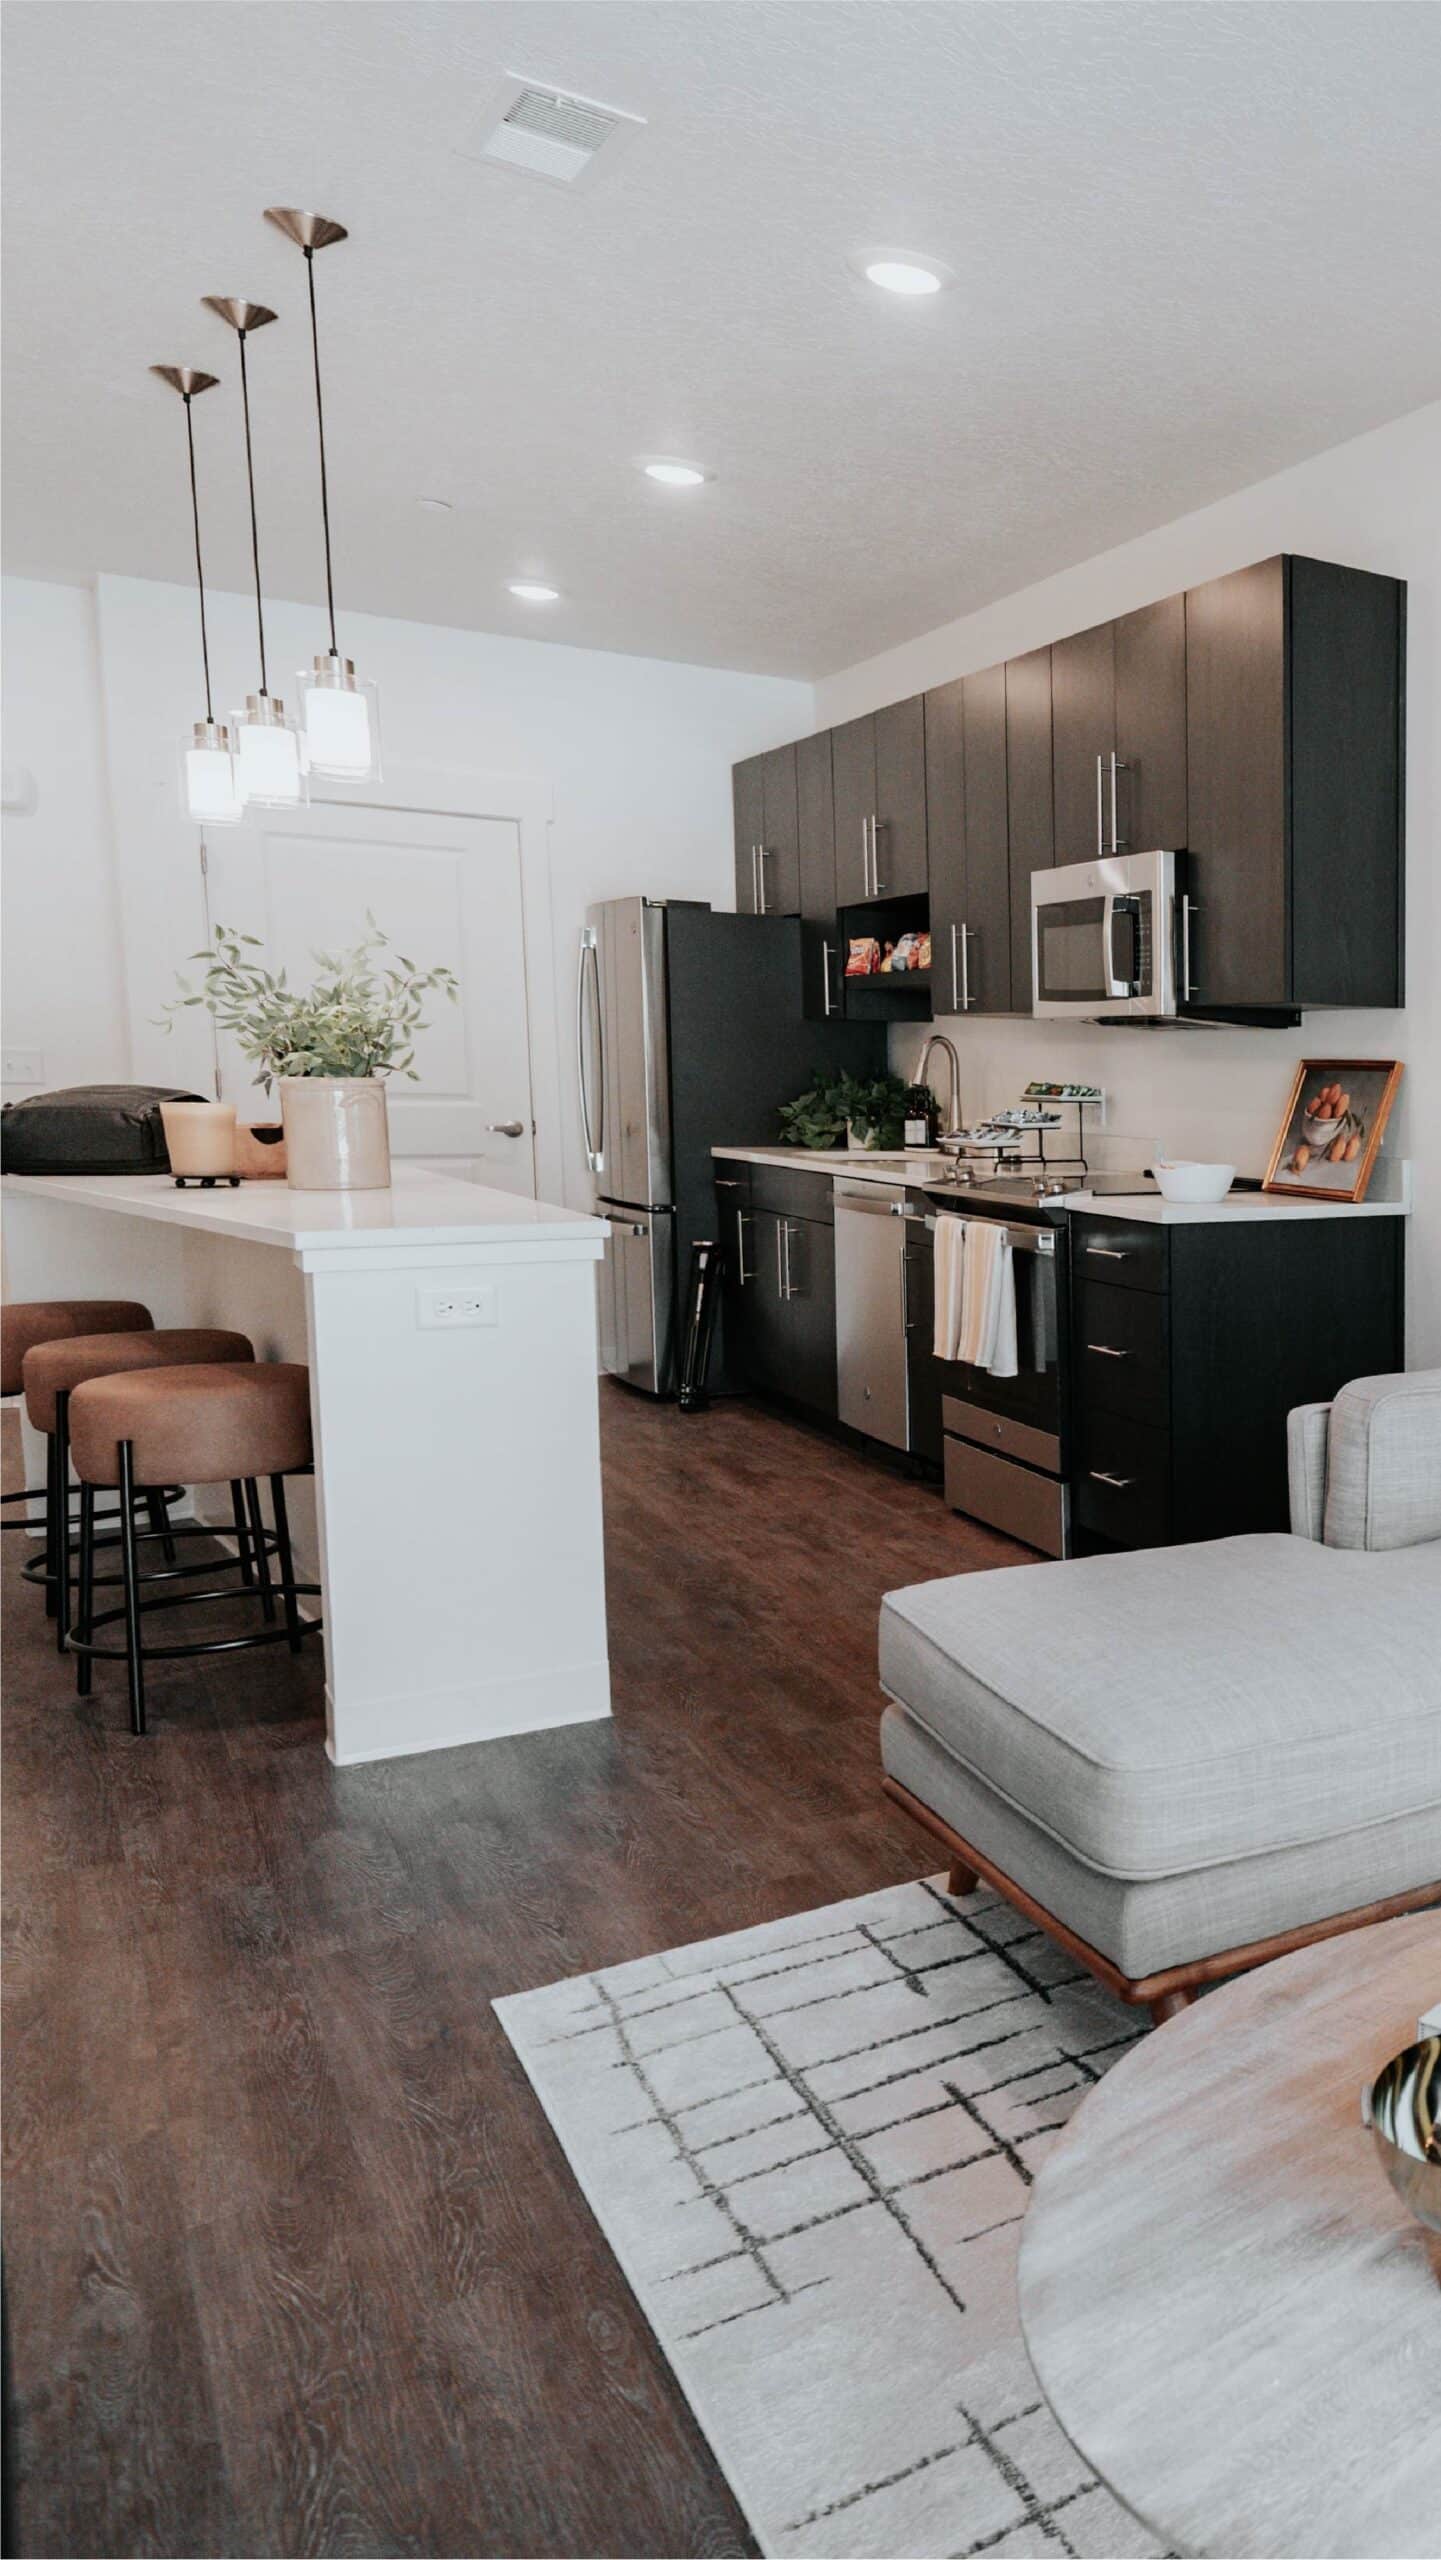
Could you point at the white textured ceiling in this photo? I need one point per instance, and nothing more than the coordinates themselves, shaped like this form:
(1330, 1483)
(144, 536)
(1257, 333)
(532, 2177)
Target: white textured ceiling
(1191, 244)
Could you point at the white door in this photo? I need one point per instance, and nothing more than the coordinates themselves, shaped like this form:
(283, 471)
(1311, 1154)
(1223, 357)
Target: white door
(444, 889)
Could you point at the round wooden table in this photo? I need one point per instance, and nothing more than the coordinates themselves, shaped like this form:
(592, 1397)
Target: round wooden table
(1233, 2317)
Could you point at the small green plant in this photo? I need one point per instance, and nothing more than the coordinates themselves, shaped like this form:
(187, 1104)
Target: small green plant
(356, 1018)
(871, 1109)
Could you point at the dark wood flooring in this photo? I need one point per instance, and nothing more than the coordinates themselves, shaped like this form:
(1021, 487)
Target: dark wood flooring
(294, 2261)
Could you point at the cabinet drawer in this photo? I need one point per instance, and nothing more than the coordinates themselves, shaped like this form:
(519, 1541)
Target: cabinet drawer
(1119, 1337)
(1132, 1257)
(792, 1195)
(1122, 1485)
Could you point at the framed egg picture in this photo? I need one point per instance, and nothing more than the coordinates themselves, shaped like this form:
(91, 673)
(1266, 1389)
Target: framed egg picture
(1333, 1126)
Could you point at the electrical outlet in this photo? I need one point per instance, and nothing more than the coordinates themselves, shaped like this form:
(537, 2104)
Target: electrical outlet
(445, 1308)
(22, 1066)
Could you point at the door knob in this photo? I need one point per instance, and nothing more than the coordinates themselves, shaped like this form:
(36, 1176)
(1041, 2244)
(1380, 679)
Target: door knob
(506, 1128)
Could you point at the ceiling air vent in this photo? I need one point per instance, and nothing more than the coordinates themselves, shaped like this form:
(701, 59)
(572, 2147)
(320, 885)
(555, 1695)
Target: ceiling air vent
(552, 134)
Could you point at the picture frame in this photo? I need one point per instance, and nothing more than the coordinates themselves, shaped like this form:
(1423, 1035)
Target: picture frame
(1335, 1119)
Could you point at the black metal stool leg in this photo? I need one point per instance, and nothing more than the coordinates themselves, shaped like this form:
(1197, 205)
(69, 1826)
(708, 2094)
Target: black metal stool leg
(62, 1520)
(52, 1509)
(157, 1511)
(133, 1661)
(242, 1533)
(262, 1559)
(287, 1561)
(84, 1668)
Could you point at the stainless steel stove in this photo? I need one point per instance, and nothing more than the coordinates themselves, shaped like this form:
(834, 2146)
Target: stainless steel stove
(1032, 1188)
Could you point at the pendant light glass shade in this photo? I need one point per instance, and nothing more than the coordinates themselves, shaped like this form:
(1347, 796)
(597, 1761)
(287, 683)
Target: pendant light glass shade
(209, 784)
(271, 762)
(341, 716)
(342, 721)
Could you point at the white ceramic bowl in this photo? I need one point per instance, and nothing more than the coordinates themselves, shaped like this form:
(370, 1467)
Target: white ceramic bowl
(1195, 1181)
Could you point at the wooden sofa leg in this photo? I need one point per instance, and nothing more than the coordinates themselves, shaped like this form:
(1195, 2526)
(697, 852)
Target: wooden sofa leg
(1170, 2005)
(961, 1880)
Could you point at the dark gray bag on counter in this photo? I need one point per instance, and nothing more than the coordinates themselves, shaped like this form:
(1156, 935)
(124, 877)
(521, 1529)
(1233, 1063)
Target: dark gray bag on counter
(90, 1128)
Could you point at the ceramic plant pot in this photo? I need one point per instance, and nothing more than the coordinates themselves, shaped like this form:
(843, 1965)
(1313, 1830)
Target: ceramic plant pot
(336, 1135)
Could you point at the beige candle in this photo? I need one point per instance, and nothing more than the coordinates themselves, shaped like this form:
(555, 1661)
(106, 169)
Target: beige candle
(200, 1137)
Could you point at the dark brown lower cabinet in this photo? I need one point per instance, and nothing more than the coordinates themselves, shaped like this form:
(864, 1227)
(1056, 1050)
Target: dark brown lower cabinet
(780, 1285)
(1189, 1347)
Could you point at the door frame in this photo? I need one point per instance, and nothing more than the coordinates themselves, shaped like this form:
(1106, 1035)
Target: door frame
(470, 791)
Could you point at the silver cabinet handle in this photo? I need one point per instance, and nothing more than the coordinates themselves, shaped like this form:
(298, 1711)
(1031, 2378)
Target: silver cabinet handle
(906, 1324)
(877, 884)
(780, 1266)
(761, 858)
(789, 1290)
(1118, 842)
(828, 953)
(1118, 1484)
(742, 1275)
(506, 1128)
(1188, 910)
(1107, 1351)
(965, 969)
(955, 971)
(1108, 1253)
(1100, 809)
(865, 857)
(588, 976)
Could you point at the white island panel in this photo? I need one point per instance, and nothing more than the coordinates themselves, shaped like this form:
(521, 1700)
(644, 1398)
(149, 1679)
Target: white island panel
(456, 1532)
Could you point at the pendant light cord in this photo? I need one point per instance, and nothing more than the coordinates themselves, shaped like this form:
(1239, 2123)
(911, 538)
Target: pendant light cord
(320, 426)
(199, 567)
(254, 528)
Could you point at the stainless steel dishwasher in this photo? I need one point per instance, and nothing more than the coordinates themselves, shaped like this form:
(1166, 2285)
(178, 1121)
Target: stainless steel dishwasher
(871, 1312)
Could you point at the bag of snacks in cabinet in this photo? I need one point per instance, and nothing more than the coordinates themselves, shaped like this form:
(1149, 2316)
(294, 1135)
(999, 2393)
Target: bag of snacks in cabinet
(863, 956)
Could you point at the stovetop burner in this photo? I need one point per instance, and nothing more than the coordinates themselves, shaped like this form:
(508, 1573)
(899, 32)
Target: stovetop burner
(1037, 1188)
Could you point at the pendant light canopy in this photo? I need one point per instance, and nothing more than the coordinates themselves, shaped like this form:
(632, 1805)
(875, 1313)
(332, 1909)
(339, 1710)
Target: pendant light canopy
(270, 753)
(208, 788)
(341, 713)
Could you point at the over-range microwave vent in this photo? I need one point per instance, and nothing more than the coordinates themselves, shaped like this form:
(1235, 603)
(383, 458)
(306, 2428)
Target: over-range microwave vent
(551, 133)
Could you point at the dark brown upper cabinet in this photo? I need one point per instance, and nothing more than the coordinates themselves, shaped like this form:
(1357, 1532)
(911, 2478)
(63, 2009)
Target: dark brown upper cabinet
(986, 959)
(1294, 708)
(822, 961)
(1151, 727)
(879, 764)
(767, 834)
(1029, 788)
(1118, 698)
(1083, 715)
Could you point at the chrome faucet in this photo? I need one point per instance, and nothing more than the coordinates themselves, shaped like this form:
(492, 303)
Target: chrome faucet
(938, 1040)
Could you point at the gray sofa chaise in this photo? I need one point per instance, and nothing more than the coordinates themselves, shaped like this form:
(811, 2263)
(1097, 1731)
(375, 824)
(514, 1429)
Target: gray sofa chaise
(1183, 1761)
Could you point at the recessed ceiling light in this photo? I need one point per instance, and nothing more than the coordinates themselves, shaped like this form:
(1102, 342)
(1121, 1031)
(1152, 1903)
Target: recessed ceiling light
(437, 506)
(897, 271)
(533, 591)
(675, 475)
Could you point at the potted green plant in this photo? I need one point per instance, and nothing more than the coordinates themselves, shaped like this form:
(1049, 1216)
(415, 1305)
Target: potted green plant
(874, 1108)
(329, 1047)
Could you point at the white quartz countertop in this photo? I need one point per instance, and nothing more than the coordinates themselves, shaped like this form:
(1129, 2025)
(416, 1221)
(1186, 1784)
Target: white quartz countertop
(420, 1209)
(869, 1164)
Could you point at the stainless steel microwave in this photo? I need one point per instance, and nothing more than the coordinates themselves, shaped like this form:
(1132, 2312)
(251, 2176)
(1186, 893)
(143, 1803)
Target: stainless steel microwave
(1103, 936)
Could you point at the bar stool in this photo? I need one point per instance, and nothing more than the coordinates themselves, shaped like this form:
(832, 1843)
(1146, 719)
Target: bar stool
(214, 1423)
(23, 1324)
(51, 1371)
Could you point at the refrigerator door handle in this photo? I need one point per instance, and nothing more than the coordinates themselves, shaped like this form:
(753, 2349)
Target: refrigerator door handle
(588, 977)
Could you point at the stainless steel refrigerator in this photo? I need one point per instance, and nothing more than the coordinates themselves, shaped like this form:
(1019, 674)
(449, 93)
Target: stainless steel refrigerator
(689, 1035)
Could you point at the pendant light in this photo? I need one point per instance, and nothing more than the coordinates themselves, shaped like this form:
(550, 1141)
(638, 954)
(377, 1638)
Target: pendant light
(270, 752)
(341, 715)
(208, 787)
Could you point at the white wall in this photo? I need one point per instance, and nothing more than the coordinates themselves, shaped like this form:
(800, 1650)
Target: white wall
(62, 988)
(1373, 504)
(634, 755)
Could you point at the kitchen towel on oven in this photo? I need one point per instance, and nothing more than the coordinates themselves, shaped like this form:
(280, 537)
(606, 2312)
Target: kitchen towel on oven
(950, 1282)
(988, 1299)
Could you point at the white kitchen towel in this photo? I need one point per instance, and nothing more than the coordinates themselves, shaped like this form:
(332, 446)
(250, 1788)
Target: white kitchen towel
(950, 1267)
(988, 1299)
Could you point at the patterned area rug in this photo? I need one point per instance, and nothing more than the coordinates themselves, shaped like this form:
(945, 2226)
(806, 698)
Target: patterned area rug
(810, 2146)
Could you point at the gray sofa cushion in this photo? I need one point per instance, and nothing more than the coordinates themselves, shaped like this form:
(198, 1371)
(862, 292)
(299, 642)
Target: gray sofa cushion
(1383, 1462)
(1166, 1920)
(1186, 1705)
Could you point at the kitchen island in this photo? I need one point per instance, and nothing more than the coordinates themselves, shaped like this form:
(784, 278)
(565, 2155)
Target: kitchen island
(451, 1340)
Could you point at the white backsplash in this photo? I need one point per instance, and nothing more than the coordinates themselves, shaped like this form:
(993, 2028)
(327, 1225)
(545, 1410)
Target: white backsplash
(1214, 1094)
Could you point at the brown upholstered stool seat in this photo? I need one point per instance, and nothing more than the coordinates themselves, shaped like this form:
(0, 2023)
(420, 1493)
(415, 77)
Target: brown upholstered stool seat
(35, 1320)
(56, 1368)
(207, 1424)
